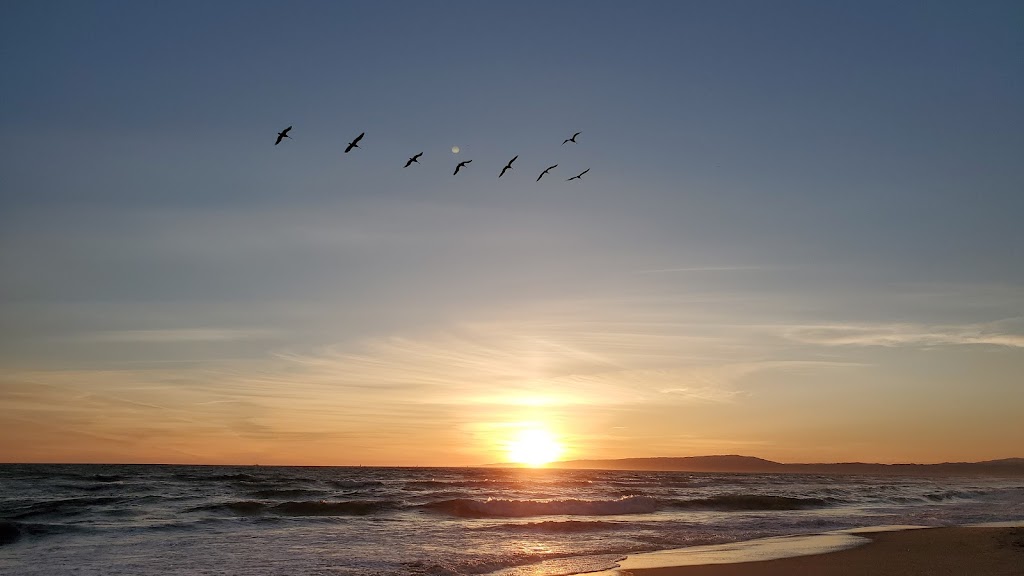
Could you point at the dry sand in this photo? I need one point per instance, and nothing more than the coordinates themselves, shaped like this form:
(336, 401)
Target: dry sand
(927, 552)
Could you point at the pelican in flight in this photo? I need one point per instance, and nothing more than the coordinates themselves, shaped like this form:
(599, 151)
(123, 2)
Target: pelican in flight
(573, 139)
(354, 143)
(546, 171)
(580, 175)
(282, 135)
(413, 159)
(461, 166)
(507, 166)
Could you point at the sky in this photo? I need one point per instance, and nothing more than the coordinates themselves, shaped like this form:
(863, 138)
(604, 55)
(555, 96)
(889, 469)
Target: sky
(800, 237)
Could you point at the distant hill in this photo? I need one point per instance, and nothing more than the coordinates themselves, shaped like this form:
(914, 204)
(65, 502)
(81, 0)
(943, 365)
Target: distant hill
(750, 464)
(1005, 462)
(726, 463)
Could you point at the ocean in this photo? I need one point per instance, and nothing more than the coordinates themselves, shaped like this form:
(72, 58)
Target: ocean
(148, 520)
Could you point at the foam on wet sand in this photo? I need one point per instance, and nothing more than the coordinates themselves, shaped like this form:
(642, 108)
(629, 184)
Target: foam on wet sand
(993, 551)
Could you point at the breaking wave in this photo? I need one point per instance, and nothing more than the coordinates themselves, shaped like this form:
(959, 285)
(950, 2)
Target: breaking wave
(63, 507)
(557, 527)
(469, 508)
(496, 508)
(753, 502)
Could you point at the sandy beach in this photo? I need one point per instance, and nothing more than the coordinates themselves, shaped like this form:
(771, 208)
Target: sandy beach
(931, 552)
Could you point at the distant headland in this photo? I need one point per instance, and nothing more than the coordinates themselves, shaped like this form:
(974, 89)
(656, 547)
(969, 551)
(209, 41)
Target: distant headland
(750, 464)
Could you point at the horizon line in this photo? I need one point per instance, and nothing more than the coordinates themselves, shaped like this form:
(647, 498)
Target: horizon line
(550, 465)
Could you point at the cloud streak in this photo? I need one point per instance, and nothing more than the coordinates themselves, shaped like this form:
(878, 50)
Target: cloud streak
(908, 335)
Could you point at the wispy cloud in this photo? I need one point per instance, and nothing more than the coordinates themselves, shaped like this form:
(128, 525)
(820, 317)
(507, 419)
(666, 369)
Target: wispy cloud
(918, 335)
(584, 366)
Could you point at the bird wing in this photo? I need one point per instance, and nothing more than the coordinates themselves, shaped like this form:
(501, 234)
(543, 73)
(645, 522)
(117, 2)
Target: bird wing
(408, 162)
(285, 131)
(417, 156)
(279, 138)
(347, 148)
(358, 138)
(552, 167)
(512, 160)
(585, 171)
(564, 141)
(575, 135)
(502, 171)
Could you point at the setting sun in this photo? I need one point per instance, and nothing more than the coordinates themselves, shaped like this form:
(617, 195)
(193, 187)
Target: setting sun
(534, 447)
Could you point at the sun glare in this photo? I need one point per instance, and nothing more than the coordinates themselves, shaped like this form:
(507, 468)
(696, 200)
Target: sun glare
(534, 447)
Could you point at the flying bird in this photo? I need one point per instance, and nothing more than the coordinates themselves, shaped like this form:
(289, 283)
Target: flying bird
(573, 139)
(507, 166)
(546, 171)
(580, 175)
(354, 143)
(282, 135)
(461, 166)
(413, 159)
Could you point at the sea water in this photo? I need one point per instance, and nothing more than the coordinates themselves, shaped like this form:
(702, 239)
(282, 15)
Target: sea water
(149, 520)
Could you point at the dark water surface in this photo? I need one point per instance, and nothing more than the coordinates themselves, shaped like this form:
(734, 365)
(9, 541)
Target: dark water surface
(149, 520)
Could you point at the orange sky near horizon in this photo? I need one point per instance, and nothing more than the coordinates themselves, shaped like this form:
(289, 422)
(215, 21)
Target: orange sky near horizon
(603, 391)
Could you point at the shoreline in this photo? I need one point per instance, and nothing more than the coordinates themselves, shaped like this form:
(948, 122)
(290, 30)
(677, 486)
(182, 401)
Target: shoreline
(881, 551)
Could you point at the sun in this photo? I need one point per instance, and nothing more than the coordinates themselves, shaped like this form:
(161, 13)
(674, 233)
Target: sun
(534, 447)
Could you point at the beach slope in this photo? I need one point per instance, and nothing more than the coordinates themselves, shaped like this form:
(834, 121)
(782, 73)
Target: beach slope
(927, 552)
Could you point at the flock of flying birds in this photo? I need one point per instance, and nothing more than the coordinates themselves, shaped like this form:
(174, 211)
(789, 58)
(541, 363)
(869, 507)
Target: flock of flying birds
(416, 159)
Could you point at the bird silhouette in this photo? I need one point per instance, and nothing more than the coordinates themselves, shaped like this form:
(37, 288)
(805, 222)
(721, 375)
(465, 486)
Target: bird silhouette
(548, 169)
(460, 166)
(573, 139)
(413, 159)
(579, 176)
(282, 135)
(354, 143)
(507, 166)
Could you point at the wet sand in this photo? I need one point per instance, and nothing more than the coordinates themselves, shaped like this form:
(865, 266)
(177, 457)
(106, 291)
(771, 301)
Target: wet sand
(925, 552)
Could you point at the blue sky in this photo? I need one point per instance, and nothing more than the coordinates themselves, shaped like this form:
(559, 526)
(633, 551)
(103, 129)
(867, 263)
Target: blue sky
(790, 204)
